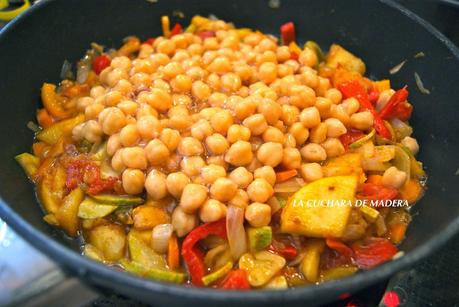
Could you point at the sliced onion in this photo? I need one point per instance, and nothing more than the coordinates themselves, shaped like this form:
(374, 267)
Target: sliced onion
(420, 84)
(275, 204)
(401, 128)
(213, 253)
(236, 232)
(160, 238)
(82, 73)
(290, 186)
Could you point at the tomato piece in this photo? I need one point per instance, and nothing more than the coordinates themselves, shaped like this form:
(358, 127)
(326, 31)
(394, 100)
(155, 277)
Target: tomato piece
(372, 191)
(372, 252)
(339, 246)
(100, 63)
(235, 280)
(389, 110)
(350, 137)
(289, 252)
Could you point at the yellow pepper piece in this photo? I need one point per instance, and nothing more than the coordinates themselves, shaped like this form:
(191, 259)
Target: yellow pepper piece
(10, 14)
(370, 213)
(293, 47)
(382, 85)
(52, 102)
(29, 163)
(311, 261)
(52, 134)
(166, 25)
(67, 215)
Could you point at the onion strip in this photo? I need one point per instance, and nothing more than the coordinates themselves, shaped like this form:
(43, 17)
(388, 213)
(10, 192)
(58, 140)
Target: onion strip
(235, 230)
(420, 85)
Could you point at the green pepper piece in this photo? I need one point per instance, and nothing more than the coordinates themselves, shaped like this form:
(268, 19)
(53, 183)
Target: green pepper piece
(118, 200)
(151, 273)
(259, 238)
(316, 48)
(91, 209)
(29, 163)
(214, 276)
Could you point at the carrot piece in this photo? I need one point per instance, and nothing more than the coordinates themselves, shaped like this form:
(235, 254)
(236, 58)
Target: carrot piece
(173, 254)
(39, 148)
(376, 179)
(285, 175)
(44, 119)
(397, 232)
(411, 191)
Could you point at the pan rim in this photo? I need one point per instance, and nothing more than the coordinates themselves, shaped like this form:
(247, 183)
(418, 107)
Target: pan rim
(88, 269)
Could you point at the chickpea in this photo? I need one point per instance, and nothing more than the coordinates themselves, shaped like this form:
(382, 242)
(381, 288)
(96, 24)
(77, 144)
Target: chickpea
(155, 184)
(267, 44)
(311, 171)
(112, 77)
(310, 117)
(217, 100)
(129, 136)
(309, 78)
(180, 122)
(92, 131)
(93, 110)
(220, 65)
(176, 182)
(121, 62)
(270, 154)
(182, 222)
(172, 69)
(84, 102)
(134, 157)
(335, 127)
(128, 107)
(217, 160)
(146, 110)
(141, 80)
(133, 181)
(334, 95)
(351, 105)
(149, 127)
(319, 133)
(333, 147)
(245, 108)
(302, 96)
(217, 144)
(267, 173)
(212, 172)
(289, 141)
(166, 46)
(283, 53)
(200, 90)
(244, 71)
(258, 214)
(411, 144)
(181, 83)
(160, 84)
(221, 121)
(394, 178)
(256, 123)
(273, 134)
(322, 86)
(113, 144)
(240, 199)
(223, 189)
(238, 133)
(338, 112)
(170, 138)
(190, 146)
(117, 161)
(260, 190)
(212, 210)
(299, 132)
(313, 153)
(112, 121)
(267, 72)
(291, 158)
(290, 114)
(323, 105)
(362, 120)
(201, 129)
(97, 91)
(192, 166)
(208, 113)
(157, 153)
(271, 110)
(308, 57)
(239, 154)
(193, 197)
(241, 176)
(159, 99)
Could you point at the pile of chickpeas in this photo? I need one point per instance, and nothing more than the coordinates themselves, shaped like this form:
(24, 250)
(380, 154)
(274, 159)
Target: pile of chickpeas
(209, 122)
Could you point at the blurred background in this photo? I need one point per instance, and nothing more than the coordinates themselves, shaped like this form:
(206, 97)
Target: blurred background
(28, 278)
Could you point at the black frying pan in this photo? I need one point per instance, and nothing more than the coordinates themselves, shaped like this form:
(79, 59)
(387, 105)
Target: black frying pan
(33, 48)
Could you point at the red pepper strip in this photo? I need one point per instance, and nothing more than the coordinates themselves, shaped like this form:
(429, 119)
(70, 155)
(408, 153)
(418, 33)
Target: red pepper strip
(294, 56)
(177, 29)
(289, 252)
(403, 111)
(372, 252)
(193, 256)
(397, 98)
(354, 89)
(340, 247)
(372, 191)
(100, 63)
(350, 137)
(235, 280)
(205, 34)
(149, 41)
(288, 33)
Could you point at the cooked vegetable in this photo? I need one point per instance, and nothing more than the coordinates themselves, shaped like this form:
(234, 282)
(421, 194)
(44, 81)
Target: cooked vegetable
(311, 261)
(92, 252)
(285, 175)
(100, 63)
(372, 252)
(347, 164)
(362, 140)
(152, 273)
(321, 221)
(259, 238)
(288, 33)
(118, 200)
(235, 280)
(235, 230)
(141, 253)
(340, 57)
(337, 273)
(216, 275)
(369, 213)
(110, 240)
(29, 163)
(67, 215)
(316, 48)
(53, 133)
(91, 209)
(53, 102)
(147, 217)
(161, 239)
(261, 267)
(278, 282)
